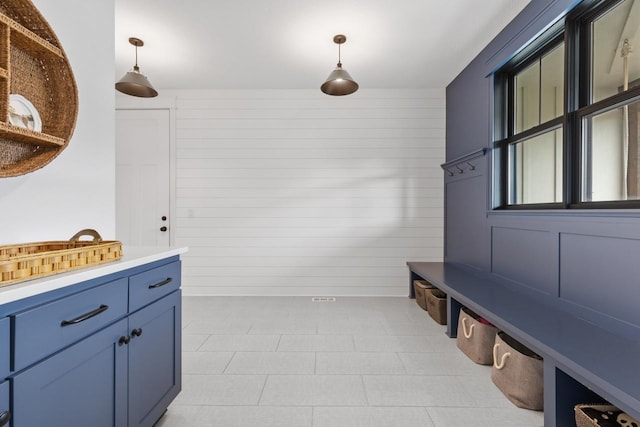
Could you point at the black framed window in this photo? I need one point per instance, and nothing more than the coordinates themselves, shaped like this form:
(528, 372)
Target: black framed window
(532, 125)
(567, 126)
(608, 116)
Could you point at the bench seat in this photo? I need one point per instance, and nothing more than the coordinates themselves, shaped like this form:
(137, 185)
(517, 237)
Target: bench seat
(584, 363)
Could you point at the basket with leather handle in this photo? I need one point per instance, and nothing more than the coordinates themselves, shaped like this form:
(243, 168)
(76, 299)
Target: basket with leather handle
(28, 261)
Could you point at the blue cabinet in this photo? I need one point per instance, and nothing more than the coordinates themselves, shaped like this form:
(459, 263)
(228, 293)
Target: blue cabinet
(5, 351)
(83, 385)
(5, 410)
(154, 359)
(104, 356)
(153, 284)
(42, 330)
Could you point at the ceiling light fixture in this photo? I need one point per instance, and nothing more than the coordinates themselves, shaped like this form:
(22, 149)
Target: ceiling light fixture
(135, 83)
(339, 81)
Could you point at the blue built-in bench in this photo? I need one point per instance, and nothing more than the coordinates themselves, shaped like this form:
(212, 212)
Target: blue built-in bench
(583, 362)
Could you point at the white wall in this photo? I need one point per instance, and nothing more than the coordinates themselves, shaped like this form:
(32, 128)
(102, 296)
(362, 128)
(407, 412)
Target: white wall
(77, 189)
(294, 192)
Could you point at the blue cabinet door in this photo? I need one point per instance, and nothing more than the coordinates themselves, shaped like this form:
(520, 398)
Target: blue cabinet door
(155, 363)
(83, 385)
(5, 414)
(5, 350)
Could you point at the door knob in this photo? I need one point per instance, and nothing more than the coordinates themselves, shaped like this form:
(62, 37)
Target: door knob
(163, 228)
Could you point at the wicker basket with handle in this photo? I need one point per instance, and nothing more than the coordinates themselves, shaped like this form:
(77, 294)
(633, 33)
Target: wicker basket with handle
(33, 260)
(603, 415)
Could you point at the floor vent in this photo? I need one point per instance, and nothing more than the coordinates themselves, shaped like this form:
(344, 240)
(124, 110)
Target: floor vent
(323, 299)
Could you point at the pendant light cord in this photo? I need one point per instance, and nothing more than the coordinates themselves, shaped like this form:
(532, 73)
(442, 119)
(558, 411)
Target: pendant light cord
(339, 56)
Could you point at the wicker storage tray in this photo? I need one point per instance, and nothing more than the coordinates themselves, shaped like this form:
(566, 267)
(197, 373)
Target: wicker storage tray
(33, 260)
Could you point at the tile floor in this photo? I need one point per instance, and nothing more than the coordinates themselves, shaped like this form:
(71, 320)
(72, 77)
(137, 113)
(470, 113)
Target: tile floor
(356, 362)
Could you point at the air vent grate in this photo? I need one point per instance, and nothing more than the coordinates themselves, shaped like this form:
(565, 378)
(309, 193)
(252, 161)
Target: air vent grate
(323, 299)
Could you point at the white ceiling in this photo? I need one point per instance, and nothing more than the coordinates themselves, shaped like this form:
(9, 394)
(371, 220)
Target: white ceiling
(288, 44)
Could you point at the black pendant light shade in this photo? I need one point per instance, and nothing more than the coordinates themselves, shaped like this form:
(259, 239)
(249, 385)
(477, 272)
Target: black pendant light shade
(339, 81)
(135, 83)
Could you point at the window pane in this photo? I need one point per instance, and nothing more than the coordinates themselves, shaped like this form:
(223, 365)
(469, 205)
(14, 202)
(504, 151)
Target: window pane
(610, 31)
(535, 169)
(527, 94)
(552, 85)
(611, 156)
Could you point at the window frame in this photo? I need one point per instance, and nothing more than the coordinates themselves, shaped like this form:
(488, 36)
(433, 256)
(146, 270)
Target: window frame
(576, 34)
(504, 87)
(582, 32)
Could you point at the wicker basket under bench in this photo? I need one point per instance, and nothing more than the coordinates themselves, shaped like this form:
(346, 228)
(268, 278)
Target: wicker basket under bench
(33, 260)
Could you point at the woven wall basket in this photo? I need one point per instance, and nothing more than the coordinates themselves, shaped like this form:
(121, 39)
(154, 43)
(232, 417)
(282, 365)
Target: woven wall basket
(34, 66)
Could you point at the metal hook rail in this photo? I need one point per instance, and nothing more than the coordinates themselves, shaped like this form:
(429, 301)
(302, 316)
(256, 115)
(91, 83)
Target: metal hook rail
(460, 162)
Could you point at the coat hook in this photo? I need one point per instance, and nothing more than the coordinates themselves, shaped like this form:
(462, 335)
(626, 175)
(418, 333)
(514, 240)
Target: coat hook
(449, 172)
(460, 170)
(471, 167)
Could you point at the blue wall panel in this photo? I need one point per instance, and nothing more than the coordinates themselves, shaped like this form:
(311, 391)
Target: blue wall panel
(586, 261)
(526, 256)
(601, 273)
(466, 230)
(468, 108)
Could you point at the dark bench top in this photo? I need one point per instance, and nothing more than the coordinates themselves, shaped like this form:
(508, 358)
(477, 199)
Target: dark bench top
(606, 362)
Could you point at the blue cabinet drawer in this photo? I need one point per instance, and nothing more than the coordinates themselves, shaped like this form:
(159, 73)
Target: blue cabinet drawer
(153, 284)
(47, 328)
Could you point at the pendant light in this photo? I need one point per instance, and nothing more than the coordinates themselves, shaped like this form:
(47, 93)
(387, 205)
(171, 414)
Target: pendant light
(339, 81)
(135, 83)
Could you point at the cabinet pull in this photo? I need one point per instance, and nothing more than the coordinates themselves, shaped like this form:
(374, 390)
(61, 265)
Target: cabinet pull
(136, 333)
(164, 282)
(5, 417)
(86, 316)
(124, 340)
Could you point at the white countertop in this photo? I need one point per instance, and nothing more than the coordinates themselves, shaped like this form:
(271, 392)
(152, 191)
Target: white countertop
(133, 256)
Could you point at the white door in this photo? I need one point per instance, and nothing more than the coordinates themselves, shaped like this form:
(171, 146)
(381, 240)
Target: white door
(142, 177)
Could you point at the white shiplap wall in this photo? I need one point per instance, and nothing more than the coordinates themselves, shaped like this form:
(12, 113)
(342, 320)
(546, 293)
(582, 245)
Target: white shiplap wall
(298, 193)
